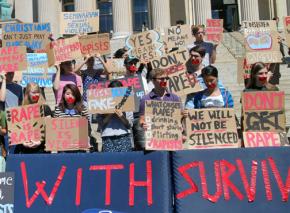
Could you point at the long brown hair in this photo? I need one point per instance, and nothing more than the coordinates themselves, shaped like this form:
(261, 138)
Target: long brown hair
(78, 105)
(254, 70)
(32, 86)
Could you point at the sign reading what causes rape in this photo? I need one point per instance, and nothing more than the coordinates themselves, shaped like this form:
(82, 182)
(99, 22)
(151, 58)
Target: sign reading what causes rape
(178, 36)
(13, 59)
(7, 192)
(32, 35)
(37, 71)
(106, 100)
(261, 39)
(211, 128)
(79, 22)
(287, 29)
(164, 125)
(66, 134)
(264, 119)
(146, 46)
(97, 43)
(214, 30)
(25, 123)
(64, 50)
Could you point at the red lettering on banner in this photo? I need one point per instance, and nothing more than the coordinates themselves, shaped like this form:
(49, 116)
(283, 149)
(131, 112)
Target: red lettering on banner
(108, 169)
(79, 186)
(266, 180)
(133, 183)
(40, 187)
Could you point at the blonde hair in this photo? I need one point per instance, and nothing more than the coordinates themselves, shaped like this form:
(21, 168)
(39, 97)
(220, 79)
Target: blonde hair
(156, 73)
(30, 87)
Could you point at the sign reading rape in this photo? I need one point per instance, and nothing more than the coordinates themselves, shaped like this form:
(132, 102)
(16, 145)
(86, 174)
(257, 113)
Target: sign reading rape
(106, 100)
(211, 128)
(79, 22)
(32, 35)
(261, 39)
(262, 139)
(164, 125)
(25, 123)
(64, 50)
(13, 59)
(146, 46)
(287, 29)
(66, 134)
(94, 44)
(7, 192)
(214, 30)
(178, 36)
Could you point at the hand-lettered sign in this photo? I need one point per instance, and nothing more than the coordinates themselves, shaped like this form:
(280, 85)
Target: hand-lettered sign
(178, 36)
(64, 50)
(79, 22)
(146, 46)
(287, 29)
(7, 192)
(25, 123)
(261, 39)
(13, 59)
(107, 100)
(96, 43)
(135, 82)
(265, 139)
(116, 67)
(264, 111)
(214, 30)
(32, 35)
(172, 62)
(65, 134)
(211, 128)
(164, 125)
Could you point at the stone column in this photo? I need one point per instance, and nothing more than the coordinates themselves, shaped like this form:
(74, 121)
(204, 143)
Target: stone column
(160, 14)
(250, 10)
(24, 10)
(49, 11)
(281, 13)
(122, 16)
(85, 5)
(202, 11)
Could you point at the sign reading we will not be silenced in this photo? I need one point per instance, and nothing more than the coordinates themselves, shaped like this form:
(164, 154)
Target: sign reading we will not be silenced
(32, 35)
(25, 123)
(211, 128)
(178, 36)
(13, 59)
(7, 192)
(165, 129)
(79, 22)
(146, 46)
(106, 100)
(97, 43)
(65, 134)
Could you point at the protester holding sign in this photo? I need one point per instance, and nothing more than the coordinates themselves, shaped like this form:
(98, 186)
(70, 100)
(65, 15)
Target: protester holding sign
(33, 95)
(213, 95)
(3, 132)
(116, 128)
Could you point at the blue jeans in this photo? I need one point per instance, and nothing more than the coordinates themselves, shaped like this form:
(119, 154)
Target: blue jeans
(120, 143)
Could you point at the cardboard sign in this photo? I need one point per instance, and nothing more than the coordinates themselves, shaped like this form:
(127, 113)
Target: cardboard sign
(264, 111)
(135, 82)
(265, 139)
(13, 59)
(79, 22)
(80, 182)
(146, 46)
(106, 100)
(25, 123)
(178, 36)
(232, 180)
(116, 67)
(97, 43)
(164, 125)
(287, 29)
(65, 134)
(32, 35)
(7, 192)
(214, 30)
(261, 39)
(211, 128)
(172, 62)
(244, 70)
(64, 50)
(182, 84)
